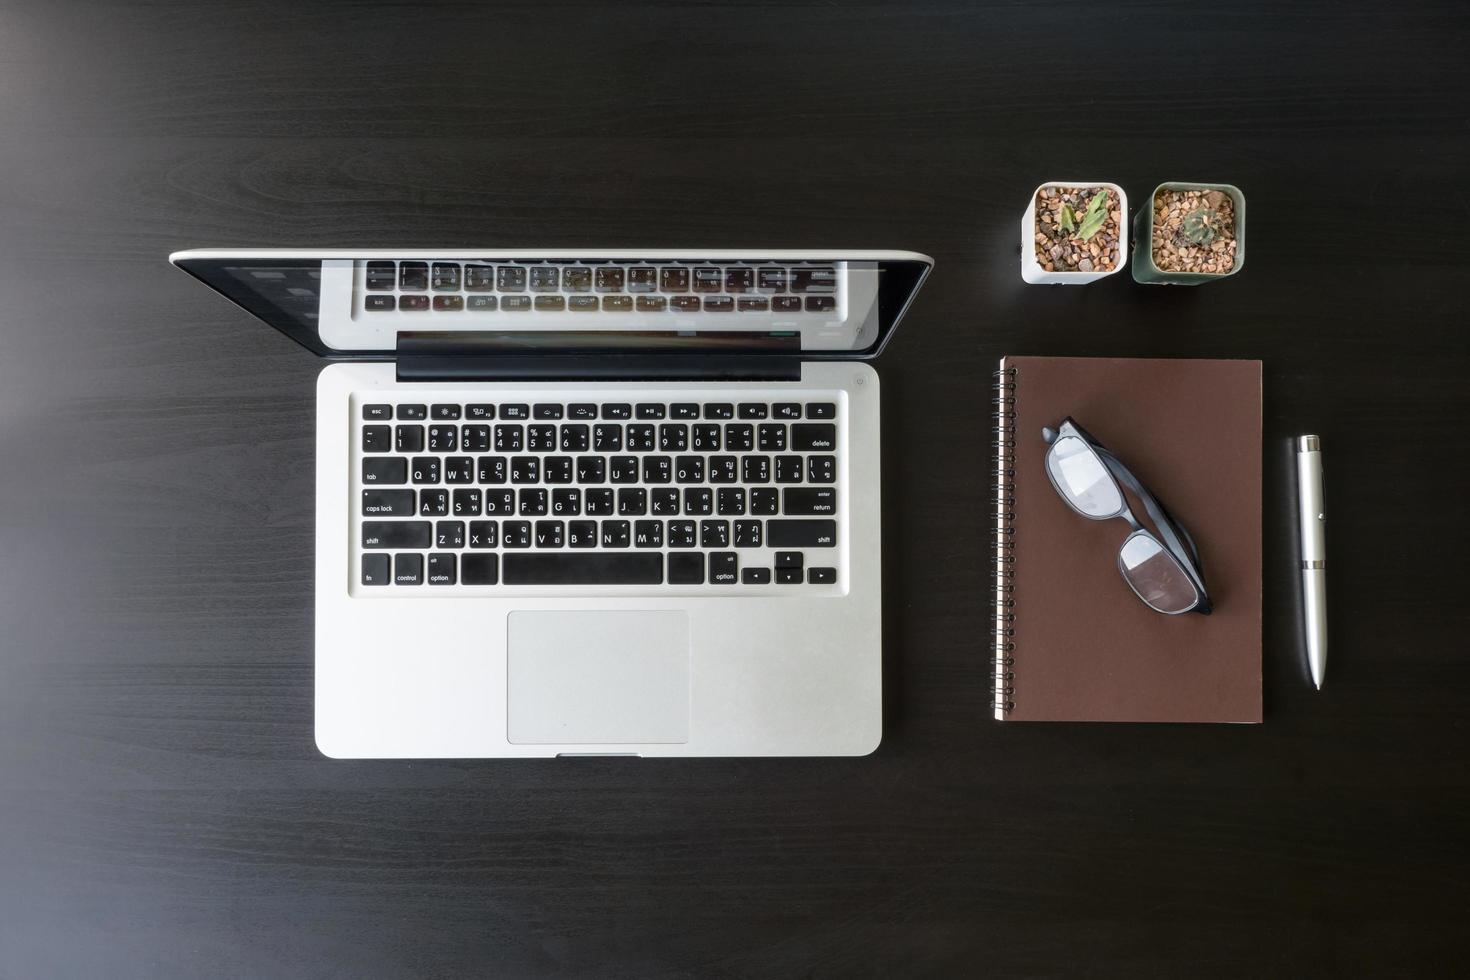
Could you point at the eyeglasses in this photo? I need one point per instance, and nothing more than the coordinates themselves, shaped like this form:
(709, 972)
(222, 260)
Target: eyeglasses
(1163, 570)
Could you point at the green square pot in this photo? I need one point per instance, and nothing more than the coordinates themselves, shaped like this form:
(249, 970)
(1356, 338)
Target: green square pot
(1144, 269)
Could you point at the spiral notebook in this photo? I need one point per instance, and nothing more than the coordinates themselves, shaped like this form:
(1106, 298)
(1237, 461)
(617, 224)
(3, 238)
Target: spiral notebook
(1072, 642)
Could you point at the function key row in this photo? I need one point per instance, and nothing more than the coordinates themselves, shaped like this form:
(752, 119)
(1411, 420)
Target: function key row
(385, 276)
(380, 412)
(411, 303)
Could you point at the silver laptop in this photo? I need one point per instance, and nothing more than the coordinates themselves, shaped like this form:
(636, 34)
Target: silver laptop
(591, 503)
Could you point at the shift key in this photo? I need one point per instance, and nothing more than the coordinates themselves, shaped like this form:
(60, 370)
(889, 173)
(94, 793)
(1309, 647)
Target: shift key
(397, 534)
(801, 534)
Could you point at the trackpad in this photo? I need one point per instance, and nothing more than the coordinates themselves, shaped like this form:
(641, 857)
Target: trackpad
(597, 677)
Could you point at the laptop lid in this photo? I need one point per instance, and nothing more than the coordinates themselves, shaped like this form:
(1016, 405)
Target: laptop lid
(359, 304)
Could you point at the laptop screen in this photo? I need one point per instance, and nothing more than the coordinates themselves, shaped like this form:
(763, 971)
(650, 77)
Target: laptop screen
(840, 304)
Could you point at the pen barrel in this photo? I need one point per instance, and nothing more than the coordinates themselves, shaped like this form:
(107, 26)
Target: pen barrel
(1312, 514)
(1314, 616)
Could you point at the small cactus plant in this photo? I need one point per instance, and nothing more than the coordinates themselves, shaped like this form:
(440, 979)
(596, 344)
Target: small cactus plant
(1202, 225)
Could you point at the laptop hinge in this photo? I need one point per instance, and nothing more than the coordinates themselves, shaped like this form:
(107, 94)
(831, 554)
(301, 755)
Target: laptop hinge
(603, 356)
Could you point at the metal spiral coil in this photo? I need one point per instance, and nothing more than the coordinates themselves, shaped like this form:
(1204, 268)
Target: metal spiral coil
(1003, 499)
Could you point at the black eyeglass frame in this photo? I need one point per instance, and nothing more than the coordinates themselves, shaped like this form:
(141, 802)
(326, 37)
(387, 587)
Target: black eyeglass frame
(1172, 536)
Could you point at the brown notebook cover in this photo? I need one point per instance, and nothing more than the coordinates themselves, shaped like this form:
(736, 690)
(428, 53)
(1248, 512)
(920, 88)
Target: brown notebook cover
(1073, 643)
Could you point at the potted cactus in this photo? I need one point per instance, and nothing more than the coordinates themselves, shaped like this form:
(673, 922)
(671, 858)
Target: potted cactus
(1074, 232)
(1190, 234)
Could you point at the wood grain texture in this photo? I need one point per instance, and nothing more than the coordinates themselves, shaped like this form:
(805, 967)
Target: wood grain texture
(163, 811)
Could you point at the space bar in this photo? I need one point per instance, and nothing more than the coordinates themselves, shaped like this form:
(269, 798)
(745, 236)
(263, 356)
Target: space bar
(594, 569)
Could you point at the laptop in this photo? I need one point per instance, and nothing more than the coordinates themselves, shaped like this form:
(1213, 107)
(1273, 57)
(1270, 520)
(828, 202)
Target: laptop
(591, 503)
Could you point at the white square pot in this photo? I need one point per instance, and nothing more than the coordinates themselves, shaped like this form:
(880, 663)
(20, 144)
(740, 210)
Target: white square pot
(1031, 270)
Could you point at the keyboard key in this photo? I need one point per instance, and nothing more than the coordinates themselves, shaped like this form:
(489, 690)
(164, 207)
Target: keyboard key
(531, 502)
(491, 469)
(651, 410)
(577, 279)
(385, 470)
(474, 438)
(772, 280)
(591, 469)
(375, 568)
(657, 469)
(377, 413)
(809, 500)
(442, 439)
(459, 469)
(409, 439)
(413, 413)
(648, 534)
(500, 503)
(377, 438)
(482, 304)
(445, 276)
(719, 410)
(684, 304)
(788, 559)
(813, 279)
(730, 501)
(413, 304)
(387, 503)
(549, 534)
(739, 437)
(379, 304)
(747, 534)
(617, 410)
(424, 469)
(652, 304)
(788, 469)
(582, 534)
(509, 438)
(525, 469)
(608, 279)
(396, 534)
(699, 501)
(633, 568)
(617, 304)
(597, 501)
(786, 304)
(821, 410)
(622, 469)
(755, 576)
(543, 410)
(821, 576)
(433, 503)
(632, 501)
(616, 534)
(821, 304)
(722, 568)
(764, 501)
(801, 533)
(566, 501)
(821, 469)
(519, 411)
(380, 276)
(673, 438)
(515, 304)
(714, 534)
(479, 412)
(582, 410)
(444, 413)
(684, 410)
(551, 304)
(467, 503)
(413, 276)
(689, 469)
(479, 278)
(814, 436)
(673, 279)
(607, 438)
(557, 469)
(718, 304)
(786, 410)
(682, 534)
(752, 410)
(642, 279)
(479, 569)
(722, 469)
(449, 534)
(755, 469)
(515, 534)
(640, 438)
(510, 278)
(663, 501)
(408, 570)
(707, 279)
(545, 279)
(442, 570)
(484, 534)
(771, 438)
(706, 438)
(684, 569)
(574, 438)
(739, 279)
(788, 576)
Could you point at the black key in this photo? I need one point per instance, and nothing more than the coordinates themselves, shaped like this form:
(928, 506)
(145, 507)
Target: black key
(714, 534)
(540, 438)
(689, 469)
(414, 304)
(577, 279)
(510, 278)
(491, 469)
(413, 276)
(739, 279)
(731, 501)
(739, 437)
(385, 470)
(500, 502)
(597, 501)
(474, 438)
(442, 439)
(821, 576)
(719, 410)
(633, 568)
(519, 411)
(566, 502)
(755, 469)
(684, 410)
(657, 469)
(509, 438)
(375, 570)
(479, 278)
(821, 469)
(582, 534)
(747, 534)
(786, 410)
(608, 279)
(548, 411)
(685, 569)
(772, 280)
(484, 304)
(788, 469)
(591, 469)
(557, 469)
(515, 304)
(445, 413)
(617, 304)
(684, 304)
(377, 438)
(484, 534)
(479, 412)
(640, 438)
(682, 534)
(722, 469)
(809, 500)
(623, 469)
(707, 279)
(821, 304)
(699, 501)
(480, 569)
(550, 534)
(442, 570)
(445, 276)
(574, 438)
(545, 278)
(467, 503)
(424, 469)
(396, 534)
(515, 534)
(722, 566)
(525, 469)
(617, 410)
(387, 503)
(788, 559)
(409, 439)
(813, 279)
(814, 437)
(755, 576)
(673, 279)
(379, 304)
(380, 276)
(433, 503)
(377, 413)
(671, 438)
(764, 500)
(648, 534)
(642, 279)
(786, 304)
(718, 304)
(632, 501)
(532, 502)
(706, 438)
(582, 410)
(821, 410)
(413, 413)
(607, 438)
(652, 304)
(649, 410)
(408, 570)
(448, 304)
(801, 534)
(449, 534)
(663, 501)
(788, 576)
(582, 304)
(753, 410)
(615, 534)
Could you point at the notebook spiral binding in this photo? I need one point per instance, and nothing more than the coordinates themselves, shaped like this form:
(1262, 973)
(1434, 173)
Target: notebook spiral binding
(1002, 647)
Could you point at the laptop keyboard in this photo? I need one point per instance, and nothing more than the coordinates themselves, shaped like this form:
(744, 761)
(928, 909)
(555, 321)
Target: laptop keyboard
(691, 493)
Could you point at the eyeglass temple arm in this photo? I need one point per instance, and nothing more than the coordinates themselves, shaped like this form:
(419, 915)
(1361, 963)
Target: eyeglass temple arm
(1170, 528)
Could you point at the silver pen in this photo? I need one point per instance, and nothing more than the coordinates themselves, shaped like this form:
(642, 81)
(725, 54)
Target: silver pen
(1313, 515)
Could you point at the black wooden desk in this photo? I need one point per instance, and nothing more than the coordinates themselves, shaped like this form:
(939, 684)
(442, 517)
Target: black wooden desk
(163, 811)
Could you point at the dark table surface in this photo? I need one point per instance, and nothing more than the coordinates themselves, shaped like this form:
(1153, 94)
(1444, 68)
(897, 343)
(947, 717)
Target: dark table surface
(163, 809)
